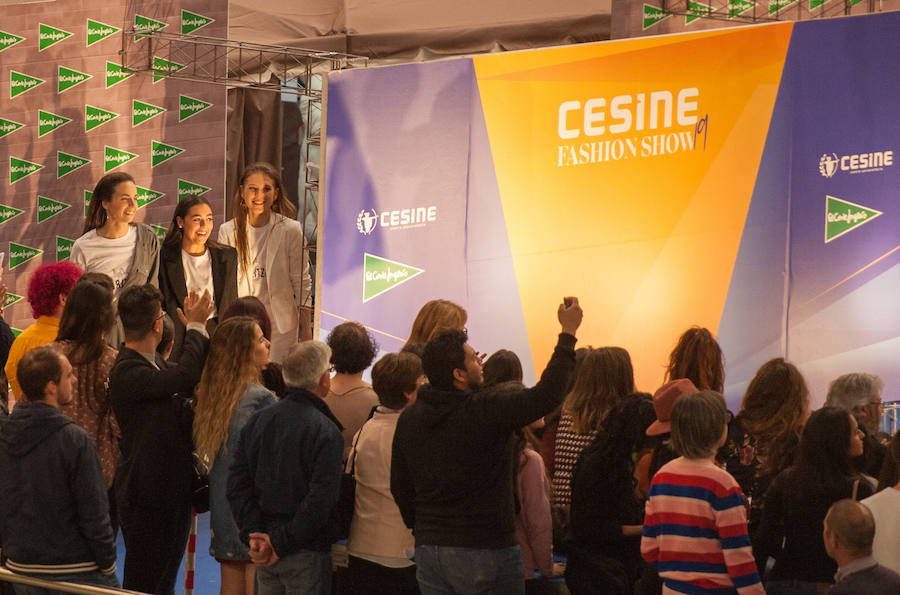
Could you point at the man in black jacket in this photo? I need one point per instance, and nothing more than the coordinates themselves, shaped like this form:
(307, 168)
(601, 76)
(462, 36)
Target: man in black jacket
(54, 521)
(153, 479)
(451, 469)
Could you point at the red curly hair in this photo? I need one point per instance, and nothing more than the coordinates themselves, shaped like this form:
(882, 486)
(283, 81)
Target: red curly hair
(49, 282)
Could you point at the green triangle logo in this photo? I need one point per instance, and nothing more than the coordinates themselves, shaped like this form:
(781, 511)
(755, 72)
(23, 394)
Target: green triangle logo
(696, 11)
(97, 31)
(87, 201)
(777, 5)
(113, 158)
(191, 21)
(68, 78)
(145, 196)
(47, 207)
(738, 7)
(185, 188)
(11, 299)
(19, 254)
(19, 83)
(7, 40)
(66, 163)
(63, 248)
(48, 36)
(653, 15)
(381, 275)
(189, 106)
(94, 117)
(48, 122)
(8, 126)
(163, 68)
(160, 232)
(7, 212)
(144, 24)
(141, 112)
(19, 168)
(161, 152)
(115, 74)
(842, 216)
(16, 332)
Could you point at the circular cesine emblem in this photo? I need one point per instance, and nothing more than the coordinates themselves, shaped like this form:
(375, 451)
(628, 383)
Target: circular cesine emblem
(366, 221)
(828, 164)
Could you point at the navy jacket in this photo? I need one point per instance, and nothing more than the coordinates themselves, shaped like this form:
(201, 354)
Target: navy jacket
(286, 474)
(55, 515)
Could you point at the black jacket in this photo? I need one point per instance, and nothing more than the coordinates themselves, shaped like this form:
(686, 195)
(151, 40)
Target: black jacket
(286, 474)
(55, 510)
(451, 468)
(156, 465)
(174, 288)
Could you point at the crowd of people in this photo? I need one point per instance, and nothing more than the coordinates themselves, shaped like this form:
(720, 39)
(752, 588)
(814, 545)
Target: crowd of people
(151, 369)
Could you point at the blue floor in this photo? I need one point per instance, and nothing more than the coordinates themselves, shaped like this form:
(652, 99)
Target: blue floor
(206, 571)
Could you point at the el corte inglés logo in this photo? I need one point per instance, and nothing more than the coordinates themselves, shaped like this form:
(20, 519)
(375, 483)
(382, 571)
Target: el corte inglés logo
(20, 168)
(48, 36)
(63, 248)
(144, 24)
(778, 5)
(47, 207)
(19, 254)
(739, 7)
(160, 232)
(11, 299)
(48, 122)
(66, 163)
(7, 40)
(163, 67)
(695, 11)
(161, 152)
(141, 112)
(97, 31)
(189, 106)
(115, 74)
(653, 15)
(113, 158)
(191, 21)
(186, 188)
(8, 127)
(94, 117)
(145, 196)
(7, 212)
(842, 216)
(19, 83)
(68, 78)
(381, 275)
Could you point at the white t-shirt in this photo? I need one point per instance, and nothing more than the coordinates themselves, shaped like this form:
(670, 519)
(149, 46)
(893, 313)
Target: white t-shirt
(885, 507)
(258, 240)
(96, 254)
(198, 275)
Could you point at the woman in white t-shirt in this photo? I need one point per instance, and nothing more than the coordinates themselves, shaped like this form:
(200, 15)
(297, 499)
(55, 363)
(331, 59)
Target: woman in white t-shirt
(189, 261)
(113, 244)
(273, 263)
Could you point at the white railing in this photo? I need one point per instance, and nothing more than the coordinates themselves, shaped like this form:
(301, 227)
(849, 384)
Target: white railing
(889, 419)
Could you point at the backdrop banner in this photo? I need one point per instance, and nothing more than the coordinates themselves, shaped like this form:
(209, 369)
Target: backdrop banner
(738, 179)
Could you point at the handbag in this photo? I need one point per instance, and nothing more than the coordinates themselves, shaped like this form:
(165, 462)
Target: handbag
(200, 486)
(347, 496)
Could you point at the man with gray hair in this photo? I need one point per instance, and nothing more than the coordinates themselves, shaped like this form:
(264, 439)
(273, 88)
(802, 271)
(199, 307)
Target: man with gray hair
(285, 479)
(848, 534)
(860, 394)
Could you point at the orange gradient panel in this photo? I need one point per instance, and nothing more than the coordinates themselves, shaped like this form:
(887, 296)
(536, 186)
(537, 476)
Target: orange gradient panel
(640, 215)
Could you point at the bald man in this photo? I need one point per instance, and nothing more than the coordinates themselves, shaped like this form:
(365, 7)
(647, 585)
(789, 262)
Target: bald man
(848, 534)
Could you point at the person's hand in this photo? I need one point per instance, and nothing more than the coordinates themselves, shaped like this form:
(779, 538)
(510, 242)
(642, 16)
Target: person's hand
(261, 551)
(197, 308)
(559, 570)
(569, 316)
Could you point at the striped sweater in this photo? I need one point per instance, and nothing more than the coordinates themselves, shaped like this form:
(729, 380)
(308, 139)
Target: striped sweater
(695, 531)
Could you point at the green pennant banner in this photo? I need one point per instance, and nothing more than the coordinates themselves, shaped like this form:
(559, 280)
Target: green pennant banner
(739, 7)
(113, 158)
(160, 232)
(7, 212)
(7, 40)
(94, 117)
(696, 11)
(20, 168)
(115, 74)
(87, 201)
(48, 122)
(381, 275)
(141, 112)
(11, 299)
(68, 78)
(63, 248)
(144, 24)
(843, 216)
(97, 31)
(66, 163)
(20, 254)
(8, 126)
(145, 196)
(162, 68)
(189, 106)
(653, 15)
(47, 207)
(161, 152)
(191, 21)
(186, 188)
(48, 36)
(19, 83)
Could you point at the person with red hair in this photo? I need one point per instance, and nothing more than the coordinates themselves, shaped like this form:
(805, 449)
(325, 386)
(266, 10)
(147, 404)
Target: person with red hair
(47, 291)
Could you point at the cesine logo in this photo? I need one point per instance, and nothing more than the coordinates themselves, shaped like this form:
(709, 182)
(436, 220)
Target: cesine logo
(366, 221)
(828, 165)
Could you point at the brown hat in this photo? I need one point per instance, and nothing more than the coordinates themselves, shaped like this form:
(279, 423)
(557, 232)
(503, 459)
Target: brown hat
(664, 400)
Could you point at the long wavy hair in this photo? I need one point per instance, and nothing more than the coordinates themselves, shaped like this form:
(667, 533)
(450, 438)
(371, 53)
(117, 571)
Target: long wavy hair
(773, 411)
(435, 317)
(86, 318)
(103, 192)
(698, 357)
(281, 205)
(824, 462)
(604, 378)
(228, 373)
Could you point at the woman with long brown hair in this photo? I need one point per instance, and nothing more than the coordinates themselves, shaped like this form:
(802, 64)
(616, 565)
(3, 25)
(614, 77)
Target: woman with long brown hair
(229, 393)
(273, 262)
(433, 318)
(698, 357)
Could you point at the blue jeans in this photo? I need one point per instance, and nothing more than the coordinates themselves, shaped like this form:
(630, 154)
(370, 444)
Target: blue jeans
(443, 570)
(304, 572)
(85, 578)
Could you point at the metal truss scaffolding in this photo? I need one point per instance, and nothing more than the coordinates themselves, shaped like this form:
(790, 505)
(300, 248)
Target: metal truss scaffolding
(740, 12)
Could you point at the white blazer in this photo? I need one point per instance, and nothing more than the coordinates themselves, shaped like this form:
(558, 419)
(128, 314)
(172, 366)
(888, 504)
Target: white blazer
(287, 270)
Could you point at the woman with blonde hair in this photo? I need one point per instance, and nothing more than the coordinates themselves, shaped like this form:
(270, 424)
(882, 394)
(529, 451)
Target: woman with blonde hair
(433, 318)
(273, 261)
(229, 393)
(604, 378)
